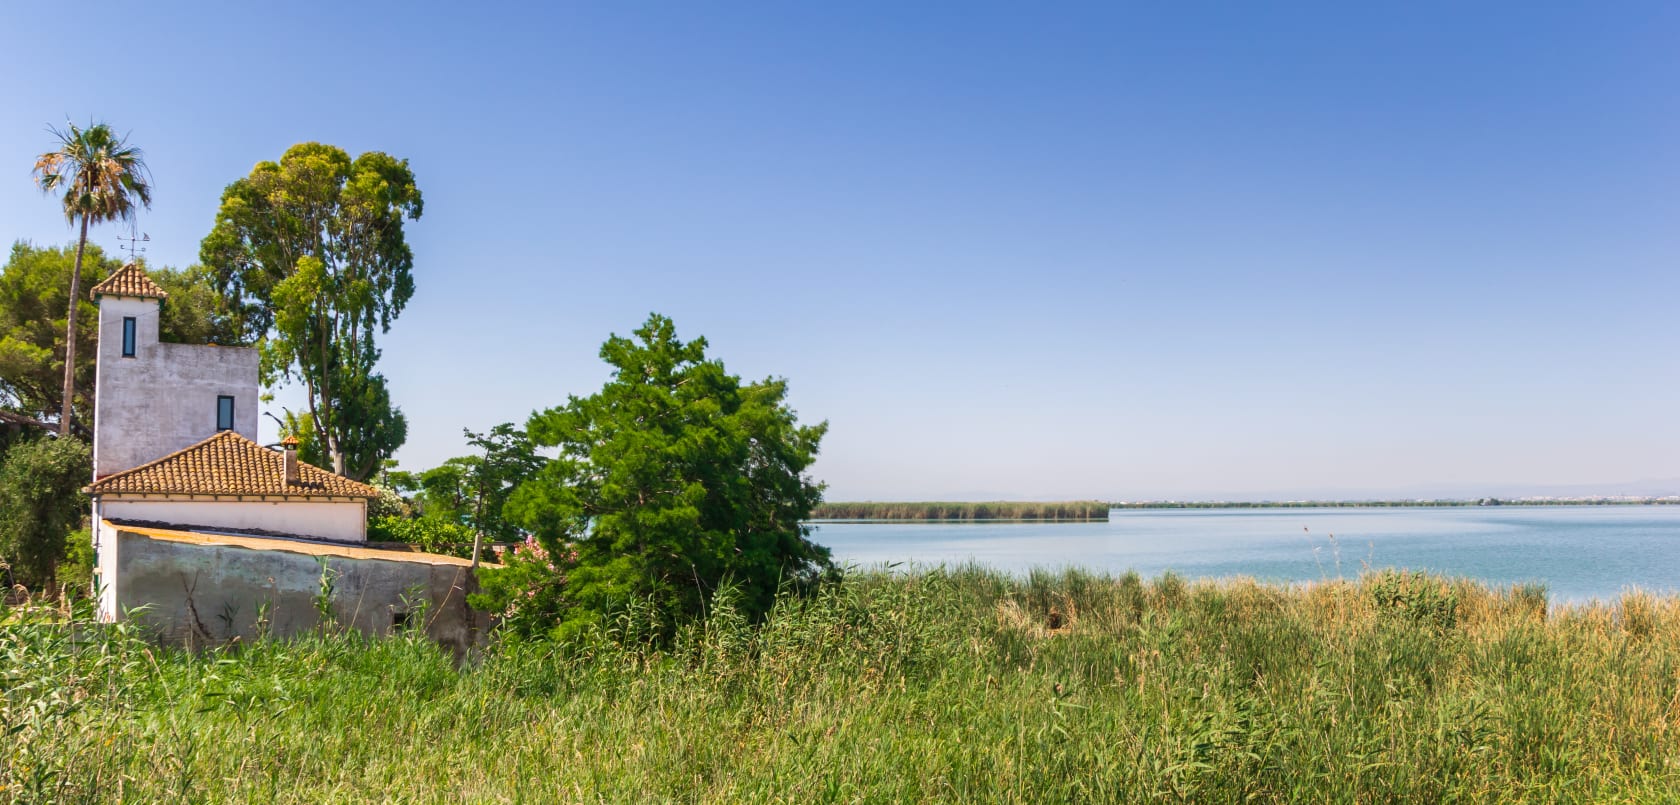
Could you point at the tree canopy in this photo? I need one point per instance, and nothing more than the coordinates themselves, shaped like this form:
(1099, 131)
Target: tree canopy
(674, 479)
(473, 490)
(460, 504)
(312, 249)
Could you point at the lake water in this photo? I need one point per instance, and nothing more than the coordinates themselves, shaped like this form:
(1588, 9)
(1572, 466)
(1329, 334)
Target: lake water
(1578, 552)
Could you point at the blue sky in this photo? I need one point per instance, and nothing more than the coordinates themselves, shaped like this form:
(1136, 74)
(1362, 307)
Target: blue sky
(1004, 250)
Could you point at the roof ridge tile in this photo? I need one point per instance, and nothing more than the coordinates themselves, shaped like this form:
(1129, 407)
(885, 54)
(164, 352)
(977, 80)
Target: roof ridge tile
(130, 280)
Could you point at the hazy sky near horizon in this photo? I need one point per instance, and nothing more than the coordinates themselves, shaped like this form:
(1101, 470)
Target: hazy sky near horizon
(1098, 250)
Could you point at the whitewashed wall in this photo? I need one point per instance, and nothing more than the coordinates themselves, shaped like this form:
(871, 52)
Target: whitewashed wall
(317, 519)
(163, 398)
(105, 578)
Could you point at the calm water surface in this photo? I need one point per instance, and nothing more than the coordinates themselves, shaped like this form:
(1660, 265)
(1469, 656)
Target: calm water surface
(1578, 552)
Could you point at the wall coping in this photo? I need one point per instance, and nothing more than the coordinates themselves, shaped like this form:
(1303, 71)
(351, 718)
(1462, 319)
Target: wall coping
(299, 546)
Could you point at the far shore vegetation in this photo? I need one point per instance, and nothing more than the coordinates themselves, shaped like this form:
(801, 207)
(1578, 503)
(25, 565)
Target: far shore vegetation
(1076, 510)
(941, 685)
(1390, 504)
(1083, 511)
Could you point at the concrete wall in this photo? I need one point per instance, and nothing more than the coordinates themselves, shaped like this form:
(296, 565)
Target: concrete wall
(200, 589)
(344, 521)
(163, 398)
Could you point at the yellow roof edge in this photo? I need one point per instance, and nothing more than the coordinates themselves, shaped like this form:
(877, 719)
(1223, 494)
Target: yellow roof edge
(300, 546)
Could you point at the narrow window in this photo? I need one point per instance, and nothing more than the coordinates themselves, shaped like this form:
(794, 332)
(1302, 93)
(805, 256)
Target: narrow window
(128, 337)
(224, 413)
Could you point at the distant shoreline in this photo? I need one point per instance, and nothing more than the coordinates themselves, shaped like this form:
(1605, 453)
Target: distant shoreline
(1087, 511)
(1395, 504)
(1067, 511)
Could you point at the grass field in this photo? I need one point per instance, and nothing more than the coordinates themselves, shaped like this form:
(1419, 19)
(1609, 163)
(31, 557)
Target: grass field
(954, 685)
(1083, 510)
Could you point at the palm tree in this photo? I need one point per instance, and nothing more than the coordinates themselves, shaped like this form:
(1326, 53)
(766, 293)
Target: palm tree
(102, 176)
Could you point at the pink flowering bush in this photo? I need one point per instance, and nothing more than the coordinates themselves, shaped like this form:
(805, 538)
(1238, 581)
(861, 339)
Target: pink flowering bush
(527, 592)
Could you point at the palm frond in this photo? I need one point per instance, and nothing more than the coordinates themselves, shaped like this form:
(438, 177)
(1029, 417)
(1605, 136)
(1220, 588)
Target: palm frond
(102, 176)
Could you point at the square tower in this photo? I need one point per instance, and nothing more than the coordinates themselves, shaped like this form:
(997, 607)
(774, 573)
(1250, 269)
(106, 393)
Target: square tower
(151, 398)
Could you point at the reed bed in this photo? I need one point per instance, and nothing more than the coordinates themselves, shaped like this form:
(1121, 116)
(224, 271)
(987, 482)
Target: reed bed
(1077, 510)
(942, 685)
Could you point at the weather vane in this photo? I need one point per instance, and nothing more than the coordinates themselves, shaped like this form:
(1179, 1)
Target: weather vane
(133, 245)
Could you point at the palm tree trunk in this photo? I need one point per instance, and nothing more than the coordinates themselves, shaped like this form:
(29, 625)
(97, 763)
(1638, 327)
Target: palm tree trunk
(70, 335)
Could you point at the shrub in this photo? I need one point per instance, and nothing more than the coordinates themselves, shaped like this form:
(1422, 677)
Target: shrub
(388, 504)
(75, 572)
(41, 500)
(526, 592)
(432, 534)
(675, 479)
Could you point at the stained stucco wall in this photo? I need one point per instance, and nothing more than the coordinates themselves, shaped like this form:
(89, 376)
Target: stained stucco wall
(105, 578)
(164, 398)
(344, 521)
(206, 590)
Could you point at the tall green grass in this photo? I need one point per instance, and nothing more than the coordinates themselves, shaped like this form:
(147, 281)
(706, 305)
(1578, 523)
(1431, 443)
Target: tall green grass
(953, 685)
(996, 510)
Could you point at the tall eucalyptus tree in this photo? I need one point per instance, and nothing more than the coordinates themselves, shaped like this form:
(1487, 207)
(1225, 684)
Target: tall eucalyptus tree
(311, 250)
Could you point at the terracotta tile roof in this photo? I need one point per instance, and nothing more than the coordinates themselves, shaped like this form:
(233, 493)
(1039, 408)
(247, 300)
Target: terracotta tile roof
(228, 464)
(128, 281)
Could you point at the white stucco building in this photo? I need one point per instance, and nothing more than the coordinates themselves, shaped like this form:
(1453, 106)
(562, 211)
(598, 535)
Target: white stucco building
(174, 444)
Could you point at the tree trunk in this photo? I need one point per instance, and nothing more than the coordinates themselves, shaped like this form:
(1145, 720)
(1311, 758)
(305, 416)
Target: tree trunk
(478, 511)
(70, 335)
